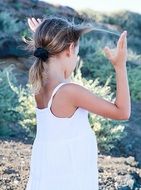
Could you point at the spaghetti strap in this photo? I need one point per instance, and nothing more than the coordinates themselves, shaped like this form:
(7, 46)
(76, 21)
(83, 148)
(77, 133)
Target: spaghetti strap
(53, 93)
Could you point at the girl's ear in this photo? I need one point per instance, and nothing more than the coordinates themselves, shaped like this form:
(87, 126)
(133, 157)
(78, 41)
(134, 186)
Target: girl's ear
(70, 49)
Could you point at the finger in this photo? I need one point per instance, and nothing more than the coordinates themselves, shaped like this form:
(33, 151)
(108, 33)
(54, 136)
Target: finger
(108, 52)
(125, 41)
(123, 45)
(31, 24)
(119, 43)
(39, 20)
(28, 20)
(34, 21)
(121, 40)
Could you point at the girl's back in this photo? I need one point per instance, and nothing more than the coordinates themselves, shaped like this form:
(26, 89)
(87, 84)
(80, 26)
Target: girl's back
(64, 153)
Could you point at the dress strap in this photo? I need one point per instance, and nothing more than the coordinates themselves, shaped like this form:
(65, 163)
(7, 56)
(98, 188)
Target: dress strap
(54, 92)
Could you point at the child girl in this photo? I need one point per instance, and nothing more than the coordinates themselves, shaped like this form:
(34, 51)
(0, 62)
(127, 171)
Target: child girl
(64, 153)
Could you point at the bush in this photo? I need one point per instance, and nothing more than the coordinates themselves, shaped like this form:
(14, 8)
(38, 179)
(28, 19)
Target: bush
(135, 82)
(16, 106)
(9, 24)
(17, 109)
(122, 20)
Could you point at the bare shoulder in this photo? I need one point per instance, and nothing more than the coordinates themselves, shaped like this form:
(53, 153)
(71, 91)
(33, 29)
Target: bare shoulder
(76, 94)
(72, 91)
(80, 96)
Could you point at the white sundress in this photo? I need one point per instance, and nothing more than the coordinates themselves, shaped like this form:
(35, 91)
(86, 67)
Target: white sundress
(64, 153)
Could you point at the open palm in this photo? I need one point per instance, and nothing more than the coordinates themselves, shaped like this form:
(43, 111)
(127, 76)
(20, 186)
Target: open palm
(118, 56)
(33, 23)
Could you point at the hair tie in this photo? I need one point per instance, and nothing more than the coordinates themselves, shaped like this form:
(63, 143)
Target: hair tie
(41, 53)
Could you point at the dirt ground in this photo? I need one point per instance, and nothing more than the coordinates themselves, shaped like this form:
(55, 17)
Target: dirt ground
(114, 172)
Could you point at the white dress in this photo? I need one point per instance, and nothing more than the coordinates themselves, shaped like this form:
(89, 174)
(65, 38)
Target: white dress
(64, 152)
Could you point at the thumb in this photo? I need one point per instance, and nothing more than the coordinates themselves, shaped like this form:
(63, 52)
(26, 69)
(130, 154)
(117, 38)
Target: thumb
(108, 52)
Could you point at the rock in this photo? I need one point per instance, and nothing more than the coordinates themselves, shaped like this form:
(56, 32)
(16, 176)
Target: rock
(9, 47)
(131, 161)
(9, 171)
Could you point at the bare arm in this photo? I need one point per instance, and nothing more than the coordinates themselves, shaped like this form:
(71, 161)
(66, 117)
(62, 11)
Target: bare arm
(84, 98)
(122, 92)
(120, 110)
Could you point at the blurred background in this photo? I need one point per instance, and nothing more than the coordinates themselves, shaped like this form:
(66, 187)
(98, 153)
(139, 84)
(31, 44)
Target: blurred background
(119, 142)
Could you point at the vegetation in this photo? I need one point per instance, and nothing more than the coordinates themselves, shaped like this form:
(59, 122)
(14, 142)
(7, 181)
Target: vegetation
(18, 109)
(16, 105)
(96, 65)
(95, 73)
(9, 25)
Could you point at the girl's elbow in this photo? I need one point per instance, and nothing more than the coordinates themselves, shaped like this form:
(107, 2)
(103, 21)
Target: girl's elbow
(125, 116)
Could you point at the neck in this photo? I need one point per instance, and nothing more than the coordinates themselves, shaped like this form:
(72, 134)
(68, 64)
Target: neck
(53, 75)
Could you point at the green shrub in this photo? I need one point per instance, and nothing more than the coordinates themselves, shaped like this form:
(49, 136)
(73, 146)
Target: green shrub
(16, 105)
(121, 20)
(9, 24)
(135, 82)
(8, 102)
(17, 108)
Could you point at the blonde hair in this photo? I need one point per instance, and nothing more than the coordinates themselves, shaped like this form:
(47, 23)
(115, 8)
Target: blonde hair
(54, 34)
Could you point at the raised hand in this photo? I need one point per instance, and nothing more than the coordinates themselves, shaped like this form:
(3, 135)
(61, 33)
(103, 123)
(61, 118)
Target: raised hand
(33, 23)
(118, 56)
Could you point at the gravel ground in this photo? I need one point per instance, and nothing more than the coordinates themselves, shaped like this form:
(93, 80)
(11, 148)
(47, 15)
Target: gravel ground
(114, 172)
